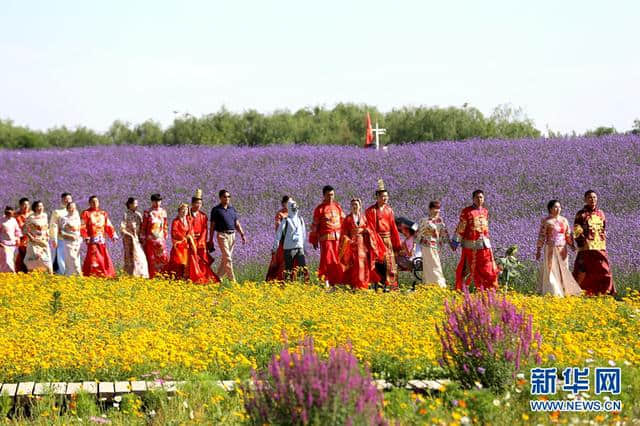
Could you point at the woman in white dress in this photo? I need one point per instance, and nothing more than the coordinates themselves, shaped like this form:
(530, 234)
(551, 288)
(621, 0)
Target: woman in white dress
(432, 234)
(10, 234)
(36, 228)
(555, 277)
(69, 226)
(135, 261)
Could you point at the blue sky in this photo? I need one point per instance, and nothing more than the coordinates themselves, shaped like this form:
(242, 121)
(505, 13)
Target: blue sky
(571, 65)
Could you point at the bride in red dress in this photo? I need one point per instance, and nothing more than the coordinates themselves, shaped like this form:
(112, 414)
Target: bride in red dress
(184, 262)
(360, 247)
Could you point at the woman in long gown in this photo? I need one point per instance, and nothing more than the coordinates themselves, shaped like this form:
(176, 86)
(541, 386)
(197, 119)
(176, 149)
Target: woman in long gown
(555, 277)
(359, 249)
(432, 234)
(184, 262)
(154, 234)
(135, 261)
(69, 226)
(36, 227)
(275, 272)
(10, 234)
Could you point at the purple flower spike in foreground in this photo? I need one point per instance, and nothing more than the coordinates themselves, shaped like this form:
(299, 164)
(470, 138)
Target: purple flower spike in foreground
(300, 388)
(486, 339)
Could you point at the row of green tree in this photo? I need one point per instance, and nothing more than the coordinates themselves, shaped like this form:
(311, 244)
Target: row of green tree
(342, 125)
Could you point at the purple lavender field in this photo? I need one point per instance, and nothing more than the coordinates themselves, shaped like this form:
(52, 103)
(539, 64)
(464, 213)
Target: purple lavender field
(518, 177)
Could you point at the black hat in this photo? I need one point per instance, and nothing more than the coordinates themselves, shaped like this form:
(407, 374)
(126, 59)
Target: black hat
(156, 197)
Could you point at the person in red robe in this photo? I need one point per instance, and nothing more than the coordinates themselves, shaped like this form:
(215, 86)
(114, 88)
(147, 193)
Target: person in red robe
(200, 226)
(325, 232)
(153, 235)
(383, 222)
(24, 210)
(275, 272)
(360, 248)
(476, 264)
(184, 262)
(591, 269)
(94, 227)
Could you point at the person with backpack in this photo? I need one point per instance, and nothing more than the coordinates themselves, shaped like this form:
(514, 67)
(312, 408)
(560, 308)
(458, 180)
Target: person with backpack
(292, 229)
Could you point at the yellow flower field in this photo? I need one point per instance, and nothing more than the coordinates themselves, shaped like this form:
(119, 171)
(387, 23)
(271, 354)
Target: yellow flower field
(108, 329)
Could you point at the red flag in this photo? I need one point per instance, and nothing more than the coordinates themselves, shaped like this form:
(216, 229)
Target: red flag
(369, 135)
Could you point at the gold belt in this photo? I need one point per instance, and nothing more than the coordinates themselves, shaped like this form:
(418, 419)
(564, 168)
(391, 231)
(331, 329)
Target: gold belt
(330, 236)
(478, 244)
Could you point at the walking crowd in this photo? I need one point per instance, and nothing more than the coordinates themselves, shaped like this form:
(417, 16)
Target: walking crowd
(25, 237)
(362, 249)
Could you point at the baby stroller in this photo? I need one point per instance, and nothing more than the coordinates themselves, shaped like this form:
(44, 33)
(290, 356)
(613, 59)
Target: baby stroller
(410, 258)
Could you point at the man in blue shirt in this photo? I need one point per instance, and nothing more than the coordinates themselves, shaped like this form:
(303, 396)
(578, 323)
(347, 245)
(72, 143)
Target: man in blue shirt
(225, 223)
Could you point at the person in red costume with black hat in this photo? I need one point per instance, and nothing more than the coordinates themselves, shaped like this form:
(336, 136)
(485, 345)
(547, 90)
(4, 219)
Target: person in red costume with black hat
(382, 220)
(199, 224)
(591, 269)
(476, 264)
(94, 227)
(325, 233)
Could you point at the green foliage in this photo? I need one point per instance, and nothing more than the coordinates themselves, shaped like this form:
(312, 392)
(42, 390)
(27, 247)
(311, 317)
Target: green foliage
(342, 125)
(154, 399)
(47, 406)
(601, 131)
(510, 266)
(392, 369)
(6, 402)
(130, 404)
(84, 404)
(56, 302)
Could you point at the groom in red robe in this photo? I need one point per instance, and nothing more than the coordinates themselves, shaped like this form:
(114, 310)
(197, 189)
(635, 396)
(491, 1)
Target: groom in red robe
(199, 224)
(94, 226)
(591, 269)
(24, 210)
(325, 232)
(382, 220)
(477, 264)
(184, 259)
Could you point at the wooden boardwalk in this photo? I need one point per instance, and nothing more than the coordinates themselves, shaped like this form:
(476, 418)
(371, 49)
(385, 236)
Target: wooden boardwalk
(110, 389)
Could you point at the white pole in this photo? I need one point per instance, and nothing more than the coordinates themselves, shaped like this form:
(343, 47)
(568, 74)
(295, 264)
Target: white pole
(377, 137)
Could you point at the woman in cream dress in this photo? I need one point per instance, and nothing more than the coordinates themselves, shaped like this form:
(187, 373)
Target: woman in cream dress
(69, 226)
(432, 233)
(135, 261)
(36, 228)
(555, 277)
